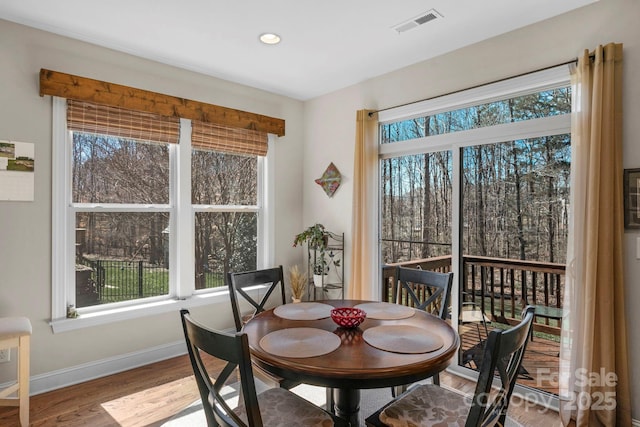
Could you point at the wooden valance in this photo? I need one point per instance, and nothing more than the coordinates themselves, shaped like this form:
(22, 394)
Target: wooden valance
(68, 86)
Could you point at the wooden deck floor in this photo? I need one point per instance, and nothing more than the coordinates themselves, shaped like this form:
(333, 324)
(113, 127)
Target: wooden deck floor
(541, 359)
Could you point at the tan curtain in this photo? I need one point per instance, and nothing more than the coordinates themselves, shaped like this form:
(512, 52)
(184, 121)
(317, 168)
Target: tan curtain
(364, 244)
(594, 375)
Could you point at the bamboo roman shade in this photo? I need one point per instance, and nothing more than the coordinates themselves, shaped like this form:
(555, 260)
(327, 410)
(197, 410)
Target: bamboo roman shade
(103, 119)
(208, 136)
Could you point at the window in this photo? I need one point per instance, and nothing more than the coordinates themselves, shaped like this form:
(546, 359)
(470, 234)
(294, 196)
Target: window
(224, 193)
(513, 131)
(149, 209)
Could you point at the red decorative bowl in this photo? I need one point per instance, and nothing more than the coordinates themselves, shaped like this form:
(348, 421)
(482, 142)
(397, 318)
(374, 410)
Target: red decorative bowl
(348, 317)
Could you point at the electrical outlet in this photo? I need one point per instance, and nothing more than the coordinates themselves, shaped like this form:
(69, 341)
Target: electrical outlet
(5, 355)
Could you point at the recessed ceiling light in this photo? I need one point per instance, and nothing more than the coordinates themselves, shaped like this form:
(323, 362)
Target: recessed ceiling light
(269, 38)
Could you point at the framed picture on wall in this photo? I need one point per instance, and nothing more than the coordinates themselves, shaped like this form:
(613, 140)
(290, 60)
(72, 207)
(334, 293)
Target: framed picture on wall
(632, 198)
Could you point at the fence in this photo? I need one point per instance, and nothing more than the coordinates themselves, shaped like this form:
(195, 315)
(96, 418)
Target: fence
(114, 281)
(126, 280)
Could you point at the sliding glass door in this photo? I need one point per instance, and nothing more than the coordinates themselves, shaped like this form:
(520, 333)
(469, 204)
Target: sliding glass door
(514, 215)
(477, 183)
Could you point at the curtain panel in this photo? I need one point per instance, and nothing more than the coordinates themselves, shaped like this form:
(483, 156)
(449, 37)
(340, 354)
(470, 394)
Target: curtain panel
(363, 221)
(594, 374)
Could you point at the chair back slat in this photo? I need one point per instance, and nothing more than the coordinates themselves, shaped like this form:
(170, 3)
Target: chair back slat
(503, 353)
(238, 282)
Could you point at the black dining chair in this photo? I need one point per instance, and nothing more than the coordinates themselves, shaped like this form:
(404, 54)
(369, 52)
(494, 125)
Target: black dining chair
(424, 290)
(274, 407)
(428, 404)
(272, 278)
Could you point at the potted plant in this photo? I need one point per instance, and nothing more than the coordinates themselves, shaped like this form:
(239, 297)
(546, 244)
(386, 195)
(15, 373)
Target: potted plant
(316, 238)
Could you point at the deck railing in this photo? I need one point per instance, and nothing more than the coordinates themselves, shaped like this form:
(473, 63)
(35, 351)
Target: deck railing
(500, 287)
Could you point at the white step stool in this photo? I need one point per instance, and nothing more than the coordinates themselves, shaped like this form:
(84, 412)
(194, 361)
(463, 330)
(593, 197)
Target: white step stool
(15, 332)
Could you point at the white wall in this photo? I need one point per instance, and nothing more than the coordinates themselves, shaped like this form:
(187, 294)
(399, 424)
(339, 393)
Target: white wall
(25, 241)
(329, 129)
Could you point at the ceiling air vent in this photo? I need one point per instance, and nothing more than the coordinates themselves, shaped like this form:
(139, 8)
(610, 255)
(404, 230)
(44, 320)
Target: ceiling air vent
(423, 18)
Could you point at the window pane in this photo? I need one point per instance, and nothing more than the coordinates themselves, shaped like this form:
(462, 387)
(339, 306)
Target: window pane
(515, 199)
(223, 179)
(121, 257)
(416, 207)
(538, 105)
(117, 170)
(224, 241)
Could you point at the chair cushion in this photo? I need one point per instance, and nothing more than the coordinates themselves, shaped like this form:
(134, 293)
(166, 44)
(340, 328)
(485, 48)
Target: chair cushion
(427, 405)
(279, 407)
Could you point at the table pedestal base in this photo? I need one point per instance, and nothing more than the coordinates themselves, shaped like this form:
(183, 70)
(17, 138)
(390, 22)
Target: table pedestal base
(347, 404)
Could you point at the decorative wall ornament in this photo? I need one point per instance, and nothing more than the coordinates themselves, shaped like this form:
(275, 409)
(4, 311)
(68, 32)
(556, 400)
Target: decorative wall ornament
(330, 180)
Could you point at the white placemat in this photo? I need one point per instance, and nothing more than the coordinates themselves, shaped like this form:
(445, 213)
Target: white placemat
(303, 311)
(300, 342)
(386, 311)
(402, 339)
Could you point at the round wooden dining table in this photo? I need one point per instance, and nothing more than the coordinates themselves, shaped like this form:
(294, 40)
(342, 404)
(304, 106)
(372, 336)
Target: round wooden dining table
(354, 364)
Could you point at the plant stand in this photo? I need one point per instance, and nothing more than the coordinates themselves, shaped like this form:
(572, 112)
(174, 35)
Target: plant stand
(330, 285)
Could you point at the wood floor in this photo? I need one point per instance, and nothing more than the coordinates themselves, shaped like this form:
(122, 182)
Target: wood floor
(150, 395)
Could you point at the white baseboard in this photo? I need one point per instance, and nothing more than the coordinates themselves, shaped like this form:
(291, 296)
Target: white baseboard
(100, 368)
(77, 374)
